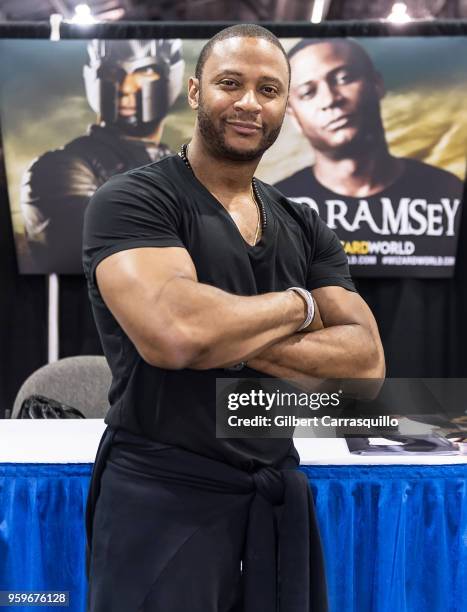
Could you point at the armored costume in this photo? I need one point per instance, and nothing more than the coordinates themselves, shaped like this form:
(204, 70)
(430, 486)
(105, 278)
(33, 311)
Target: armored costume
(57, 186)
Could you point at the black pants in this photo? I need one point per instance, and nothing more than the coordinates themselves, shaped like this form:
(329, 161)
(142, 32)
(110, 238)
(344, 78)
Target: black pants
(167, 532)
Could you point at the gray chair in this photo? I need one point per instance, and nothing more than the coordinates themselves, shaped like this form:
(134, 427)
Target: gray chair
(82, 382)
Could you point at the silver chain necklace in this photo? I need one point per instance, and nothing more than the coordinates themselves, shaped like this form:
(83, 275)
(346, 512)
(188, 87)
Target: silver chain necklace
(257, 196)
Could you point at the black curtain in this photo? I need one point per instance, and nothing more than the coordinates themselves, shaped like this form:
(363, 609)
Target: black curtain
(422, 322)
(23, 312)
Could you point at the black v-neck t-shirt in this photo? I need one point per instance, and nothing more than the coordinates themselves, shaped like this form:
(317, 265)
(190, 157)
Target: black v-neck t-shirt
(163, 205)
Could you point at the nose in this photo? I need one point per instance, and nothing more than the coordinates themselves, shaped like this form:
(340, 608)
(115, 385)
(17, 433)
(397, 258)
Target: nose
(129, 85)
(248, 102)
(327, 95)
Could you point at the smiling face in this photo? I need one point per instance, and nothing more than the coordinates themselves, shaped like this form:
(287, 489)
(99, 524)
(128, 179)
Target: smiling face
(335, 96)
(241, 97)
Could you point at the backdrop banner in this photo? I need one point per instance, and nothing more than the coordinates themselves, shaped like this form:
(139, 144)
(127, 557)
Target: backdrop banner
(373, 139)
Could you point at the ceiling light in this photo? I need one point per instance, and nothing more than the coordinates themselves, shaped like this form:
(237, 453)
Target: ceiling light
(83, 15)
(318, 11)
(399, 13)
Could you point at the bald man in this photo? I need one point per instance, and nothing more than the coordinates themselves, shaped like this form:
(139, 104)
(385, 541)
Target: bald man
(196, 268)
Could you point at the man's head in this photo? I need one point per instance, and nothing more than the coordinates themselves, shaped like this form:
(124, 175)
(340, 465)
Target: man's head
(335, 95)
(133, 83)
(240, 91)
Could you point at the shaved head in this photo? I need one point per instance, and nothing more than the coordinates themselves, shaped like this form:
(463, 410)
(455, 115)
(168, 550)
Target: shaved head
(241, 30)
(359, 56)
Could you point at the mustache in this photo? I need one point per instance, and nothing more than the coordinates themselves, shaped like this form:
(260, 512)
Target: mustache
(246, 119)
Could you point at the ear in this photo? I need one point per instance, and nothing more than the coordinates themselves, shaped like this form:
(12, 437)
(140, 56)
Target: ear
(379, 85)
(193, 92)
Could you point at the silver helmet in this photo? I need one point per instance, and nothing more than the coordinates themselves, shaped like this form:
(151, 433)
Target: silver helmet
(111, 60)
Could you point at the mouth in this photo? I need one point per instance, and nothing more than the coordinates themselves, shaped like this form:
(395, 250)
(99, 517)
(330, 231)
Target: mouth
(126, 111)
(244, 128)
(338, 123)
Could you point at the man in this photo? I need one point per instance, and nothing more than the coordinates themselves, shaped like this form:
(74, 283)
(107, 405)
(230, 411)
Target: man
(131, 85)
(188, 263)
(362, 191)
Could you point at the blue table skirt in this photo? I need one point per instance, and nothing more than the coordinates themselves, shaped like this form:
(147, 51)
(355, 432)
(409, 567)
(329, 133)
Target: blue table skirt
(395, 537)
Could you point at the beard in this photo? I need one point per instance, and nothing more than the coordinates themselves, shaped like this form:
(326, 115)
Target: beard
(214, 138)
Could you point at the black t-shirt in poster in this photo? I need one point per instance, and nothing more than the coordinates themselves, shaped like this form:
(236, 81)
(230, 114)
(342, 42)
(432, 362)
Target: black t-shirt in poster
(164, 205)
(408, 229)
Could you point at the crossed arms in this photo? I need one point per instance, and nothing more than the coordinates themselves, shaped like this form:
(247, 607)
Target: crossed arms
(177, 322)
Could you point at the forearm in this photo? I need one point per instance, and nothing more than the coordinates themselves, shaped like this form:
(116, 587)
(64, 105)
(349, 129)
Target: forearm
(223, 329)
(342, 351)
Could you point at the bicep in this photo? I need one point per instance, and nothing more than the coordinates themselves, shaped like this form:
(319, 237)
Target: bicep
(339, 306)
(328, 265)
(130, 283)
(358, 351)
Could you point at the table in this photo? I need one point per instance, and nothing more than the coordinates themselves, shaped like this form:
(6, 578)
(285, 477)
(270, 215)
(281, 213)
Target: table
(394, 535)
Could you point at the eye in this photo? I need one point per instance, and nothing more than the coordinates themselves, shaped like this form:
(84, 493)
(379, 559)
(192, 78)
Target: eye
(343, 77)
(149, 70)
(270, 90)
(307, 92)
(146, 74)
(228, 82)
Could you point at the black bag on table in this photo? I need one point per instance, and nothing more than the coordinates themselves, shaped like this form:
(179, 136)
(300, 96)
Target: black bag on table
(40, 407)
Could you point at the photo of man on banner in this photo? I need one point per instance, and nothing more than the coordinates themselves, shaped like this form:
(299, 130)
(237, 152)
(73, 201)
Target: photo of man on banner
(395, 216)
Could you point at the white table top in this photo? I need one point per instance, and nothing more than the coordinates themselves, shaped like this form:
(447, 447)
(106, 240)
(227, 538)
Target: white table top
(76, 441)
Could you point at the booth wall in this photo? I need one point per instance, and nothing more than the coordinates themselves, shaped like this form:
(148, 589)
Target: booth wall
(422, 321)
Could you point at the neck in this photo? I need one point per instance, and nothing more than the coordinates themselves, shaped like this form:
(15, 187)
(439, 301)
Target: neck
(217, 174)
(371, 172)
